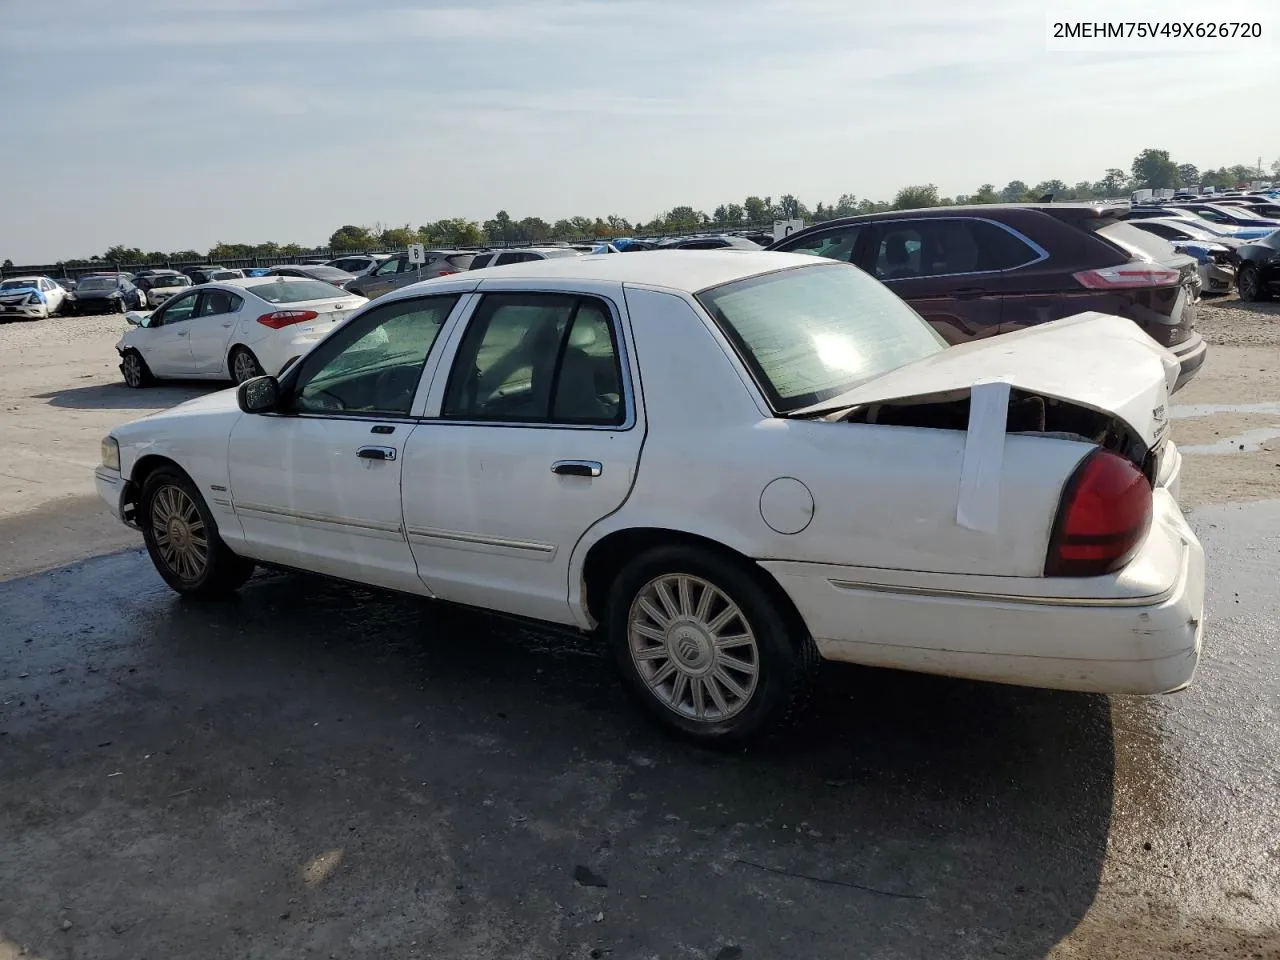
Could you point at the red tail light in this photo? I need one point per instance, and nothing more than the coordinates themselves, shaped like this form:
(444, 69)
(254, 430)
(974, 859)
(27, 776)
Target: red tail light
(1103, 518)
(446, 273)
(1128, 276)
(285, 318)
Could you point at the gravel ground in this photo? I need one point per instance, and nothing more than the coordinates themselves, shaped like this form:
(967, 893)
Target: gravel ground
(1227, 321)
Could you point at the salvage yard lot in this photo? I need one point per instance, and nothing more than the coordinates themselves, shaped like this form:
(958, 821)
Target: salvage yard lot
(322, 770)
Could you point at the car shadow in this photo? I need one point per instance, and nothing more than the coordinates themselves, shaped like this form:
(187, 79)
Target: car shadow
(494, 771)
(118, 396)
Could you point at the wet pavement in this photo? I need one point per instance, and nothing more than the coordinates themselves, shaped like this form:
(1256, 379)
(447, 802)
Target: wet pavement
(315, 769)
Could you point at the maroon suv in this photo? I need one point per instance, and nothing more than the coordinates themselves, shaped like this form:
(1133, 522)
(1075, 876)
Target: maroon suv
(976, 271)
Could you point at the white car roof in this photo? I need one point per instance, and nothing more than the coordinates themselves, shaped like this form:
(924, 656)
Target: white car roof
(684, 270)
(24, 279)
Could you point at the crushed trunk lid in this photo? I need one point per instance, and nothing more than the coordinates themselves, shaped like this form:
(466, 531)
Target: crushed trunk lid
(1100, 362)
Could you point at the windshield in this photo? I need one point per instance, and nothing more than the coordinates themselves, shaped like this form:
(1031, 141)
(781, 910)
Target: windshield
(18, 285)
(96, 283)
(814, 332)
(296, 291)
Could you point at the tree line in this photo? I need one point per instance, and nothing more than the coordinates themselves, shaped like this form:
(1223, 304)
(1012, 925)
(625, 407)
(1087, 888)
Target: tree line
(1151, 168)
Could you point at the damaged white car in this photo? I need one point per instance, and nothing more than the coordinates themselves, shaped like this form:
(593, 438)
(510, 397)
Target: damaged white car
(728, 465)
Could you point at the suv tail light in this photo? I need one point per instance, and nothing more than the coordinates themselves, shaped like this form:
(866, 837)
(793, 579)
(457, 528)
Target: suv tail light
(1103, 517)
(1128, 276)
(285, 318)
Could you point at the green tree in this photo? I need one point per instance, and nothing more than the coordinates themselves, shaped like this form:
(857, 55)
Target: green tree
(617, 224)
(986, 194)
(122, 254)
(1152, 169)
(756, 209)
(1114, 183)
(534, 229)
(1243, 173)
(683, 218)
(1188, 175)
(397, 237)
(1055, 187)
(1082, 191)
(915, 197)
(562, 230)
(452, 232)
(501, 228)
(789, 207)
(1015, 191)
(846, 206)
(350, 237)
(292, 250)
(1219, 178)
(582, 226)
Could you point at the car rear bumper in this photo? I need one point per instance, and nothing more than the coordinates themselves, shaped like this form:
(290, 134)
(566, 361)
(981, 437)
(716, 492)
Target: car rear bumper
(1107, 643)
(1191, 354)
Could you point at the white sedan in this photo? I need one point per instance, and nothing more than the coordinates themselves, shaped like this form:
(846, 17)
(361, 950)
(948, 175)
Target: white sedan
(730, 465)
(233, 330)
(33, 298)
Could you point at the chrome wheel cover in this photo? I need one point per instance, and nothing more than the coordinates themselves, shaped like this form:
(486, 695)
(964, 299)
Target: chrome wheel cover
(181, 540)
(693, 647)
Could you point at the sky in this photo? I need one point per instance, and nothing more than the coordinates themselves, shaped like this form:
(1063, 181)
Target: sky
(177, 124)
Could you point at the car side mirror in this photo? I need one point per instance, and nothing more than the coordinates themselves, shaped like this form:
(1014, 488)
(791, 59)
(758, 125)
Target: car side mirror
(259, 395)
(134, 319)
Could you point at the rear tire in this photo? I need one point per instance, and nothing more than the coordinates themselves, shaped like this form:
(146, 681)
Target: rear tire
(705, 647)
(243, 365)
(1250, 285)
(182, 539)
(134, 369)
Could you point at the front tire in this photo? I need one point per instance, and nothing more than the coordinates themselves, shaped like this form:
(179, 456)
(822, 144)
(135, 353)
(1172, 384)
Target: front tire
(243, 365)
(135, 371)
(705, 645)
(1250, 284)
(182, 539)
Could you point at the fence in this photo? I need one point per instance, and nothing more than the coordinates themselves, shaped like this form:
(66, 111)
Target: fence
(71, 271)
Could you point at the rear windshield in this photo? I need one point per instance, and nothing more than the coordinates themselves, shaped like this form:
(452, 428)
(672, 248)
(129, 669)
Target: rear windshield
(19, 284)
(96, 283)
(461, 260)
(811, 333)
(1138, 243)
(225, 275)
(296, 291)
(171, 281)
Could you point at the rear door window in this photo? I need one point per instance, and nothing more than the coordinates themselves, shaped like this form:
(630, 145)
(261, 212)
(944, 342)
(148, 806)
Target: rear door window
(947, 246)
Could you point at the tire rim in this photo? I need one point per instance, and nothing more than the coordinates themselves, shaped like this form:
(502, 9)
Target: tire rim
(693, 647)
(179, 531)
(1249, 283)
(132, 369)
(244, 367)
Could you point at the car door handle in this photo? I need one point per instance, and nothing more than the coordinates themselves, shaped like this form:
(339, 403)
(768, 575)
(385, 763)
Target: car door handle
(969, 293)
(577, 468)
(184, 333)
(376, 453)
(226, 324)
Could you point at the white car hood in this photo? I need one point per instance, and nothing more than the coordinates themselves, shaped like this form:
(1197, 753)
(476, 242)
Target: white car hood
(223, 401)
(1096, 360)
